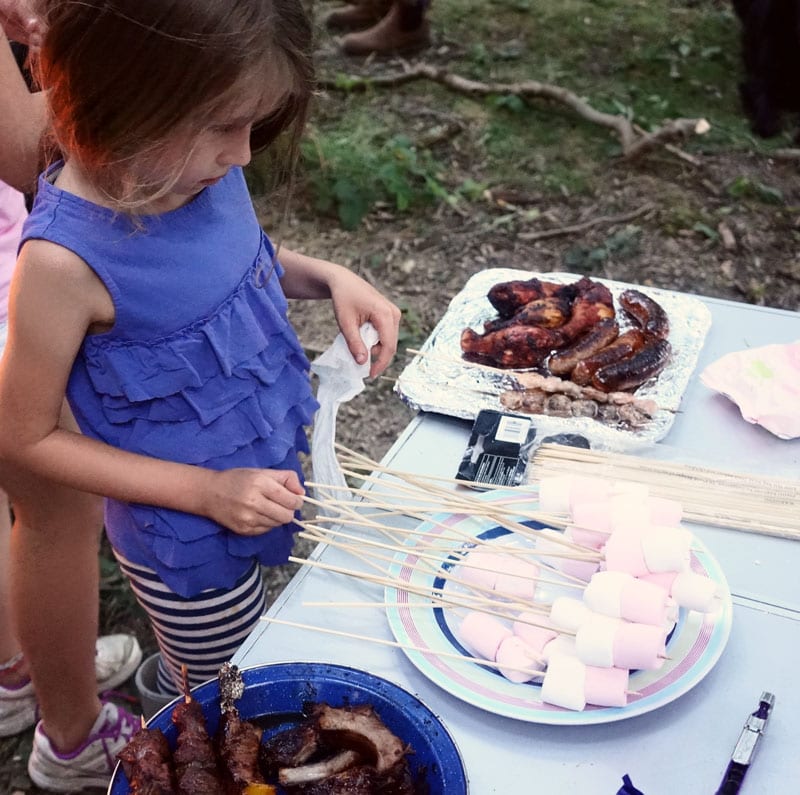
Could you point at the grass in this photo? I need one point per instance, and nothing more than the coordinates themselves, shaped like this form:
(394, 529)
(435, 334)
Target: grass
(651, 61)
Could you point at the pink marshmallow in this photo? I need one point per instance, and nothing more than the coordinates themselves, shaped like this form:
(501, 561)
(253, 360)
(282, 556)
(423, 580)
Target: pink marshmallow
(587, 489)
(639, 646)
(663, 579)
(512, 654)
(645, 603)
(517, 579)
(480, 568)
(582, 569)
(623, 551)
(593, 516)
(536, 637)
(606, 687)
(483, 634)
(586, 537)
(665, 512)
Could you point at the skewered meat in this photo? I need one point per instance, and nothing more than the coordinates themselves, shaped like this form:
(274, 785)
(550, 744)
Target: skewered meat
(537, 401)
(195, 764)
(508, 297)
(530, 382)
(632, 372)
(550, 312)
(624, 346)
(146, 760)
(514, 346)
(238, 741)
(565, 360)
(648, 314)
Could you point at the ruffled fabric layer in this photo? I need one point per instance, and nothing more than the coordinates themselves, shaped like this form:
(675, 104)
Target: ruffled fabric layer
(232, 390)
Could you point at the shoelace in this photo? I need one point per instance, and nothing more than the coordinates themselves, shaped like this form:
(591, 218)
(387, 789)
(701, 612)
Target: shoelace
(125, 727)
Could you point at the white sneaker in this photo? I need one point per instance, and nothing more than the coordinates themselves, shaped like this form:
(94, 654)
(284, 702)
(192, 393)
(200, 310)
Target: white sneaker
(116, 659)
(17, 709)
(89, 765)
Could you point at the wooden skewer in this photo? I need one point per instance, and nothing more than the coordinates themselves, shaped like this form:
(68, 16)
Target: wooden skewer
(407, 646)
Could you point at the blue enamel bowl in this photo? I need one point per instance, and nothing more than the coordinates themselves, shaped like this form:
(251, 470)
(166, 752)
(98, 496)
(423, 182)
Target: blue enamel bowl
(275, 696)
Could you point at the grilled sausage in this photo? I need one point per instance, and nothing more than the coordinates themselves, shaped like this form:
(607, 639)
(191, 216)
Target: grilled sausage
(635, 370)
(648, 314)
(597, 338)
(623, 346)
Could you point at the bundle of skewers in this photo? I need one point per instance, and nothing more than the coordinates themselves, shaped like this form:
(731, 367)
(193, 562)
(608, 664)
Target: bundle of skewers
(572, 600)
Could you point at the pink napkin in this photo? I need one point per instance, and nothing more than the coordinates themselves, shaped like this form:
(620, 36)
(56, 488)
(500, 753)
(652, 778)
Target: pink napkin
(765, 384)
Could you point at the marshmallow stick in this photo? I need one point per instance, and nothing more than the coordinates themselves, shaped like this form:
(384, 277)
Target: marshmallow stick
(489, 604)
(620, 595)
(571, 684)
(395, 644)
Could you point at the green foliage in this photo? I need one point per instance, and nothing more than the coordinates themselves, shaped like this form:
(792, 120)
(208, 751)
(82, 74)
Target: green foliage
(349, 179)
(745, 188)
(649, 62)
(620, 245)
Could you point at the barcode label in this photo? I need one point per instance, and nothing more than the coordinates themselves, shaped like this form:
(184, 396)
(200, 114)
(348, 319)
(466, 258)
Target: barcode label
(512, 429)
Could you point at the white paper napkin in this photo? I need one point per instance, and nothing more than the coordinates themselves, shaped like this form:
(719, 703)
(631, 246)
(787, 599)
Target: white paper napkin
(341, 378)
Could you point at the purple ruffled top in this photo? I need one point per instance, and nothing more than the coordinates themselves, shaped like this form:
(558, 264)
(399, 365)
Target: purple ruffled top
(202, 366)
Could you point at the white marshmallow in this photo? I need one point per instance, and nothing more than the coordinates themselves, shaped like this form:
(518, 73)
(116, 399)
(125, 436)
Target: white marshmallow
(666, 549)
(594, 641)
(554, 494)
(567, 613)
(603, 594)
(565, 682)
(695, 591)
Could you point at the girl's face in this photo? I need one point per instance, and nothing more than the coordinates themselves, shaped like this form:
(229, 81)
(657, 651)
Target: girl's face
(222, 143)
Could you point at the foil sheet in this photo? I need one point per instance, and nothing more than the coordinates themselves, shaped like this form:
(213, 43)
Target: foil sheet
(446, 384)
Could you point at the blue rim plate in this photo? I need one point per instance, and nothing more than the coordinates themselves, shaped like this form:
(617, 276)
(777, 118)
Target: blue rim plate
(693, 648)
(278, 691)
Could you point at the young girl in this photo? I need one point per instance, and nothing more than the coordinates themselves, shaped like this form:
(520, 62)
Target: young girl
(147, 292)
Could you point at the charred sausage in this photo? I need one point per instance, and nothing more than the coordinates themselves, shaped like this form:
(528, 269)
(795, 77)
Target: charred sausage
(623, 346)
(635, 370)
(648, 314)
(597, 338)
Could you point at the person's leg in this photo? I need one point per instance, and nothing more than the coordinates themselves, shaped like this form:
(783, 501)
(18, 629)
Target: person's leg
(9, 645)
(55, 581)
(357, 15)
(201, 632)
(403, 29)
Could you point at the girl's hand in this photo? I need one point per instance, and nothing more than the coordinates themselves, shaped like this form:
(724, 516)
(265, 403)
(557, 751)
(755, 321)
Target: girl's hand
(354, 303)
(253, 501)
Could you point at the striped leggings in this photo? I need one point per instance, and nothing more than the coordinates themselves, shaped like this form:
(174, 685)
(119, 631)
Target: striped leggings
(202, 632)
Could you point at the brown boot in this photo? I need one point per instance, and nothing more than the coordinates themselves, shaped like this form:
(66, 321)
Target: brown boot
(392, 34)
(356, 16)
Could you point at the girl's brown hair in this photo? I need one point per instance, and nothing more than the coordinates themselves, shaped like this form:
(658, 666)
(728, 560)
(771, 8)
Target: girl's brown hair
(125, 75)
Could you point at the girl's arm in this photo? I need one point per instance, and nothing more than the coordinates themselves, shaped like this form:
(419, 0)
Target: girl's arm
(55, 300)
(22, 121)
(354, 303)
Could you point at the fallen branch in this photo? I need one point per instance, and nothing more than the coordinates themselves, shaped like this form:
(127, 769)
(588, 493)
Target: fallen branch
(633, 145)
(600, 219)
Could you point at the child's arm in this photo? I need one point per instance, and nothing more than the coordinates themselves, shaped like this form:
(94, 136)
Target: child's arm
(55, 300)
(354, 303)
